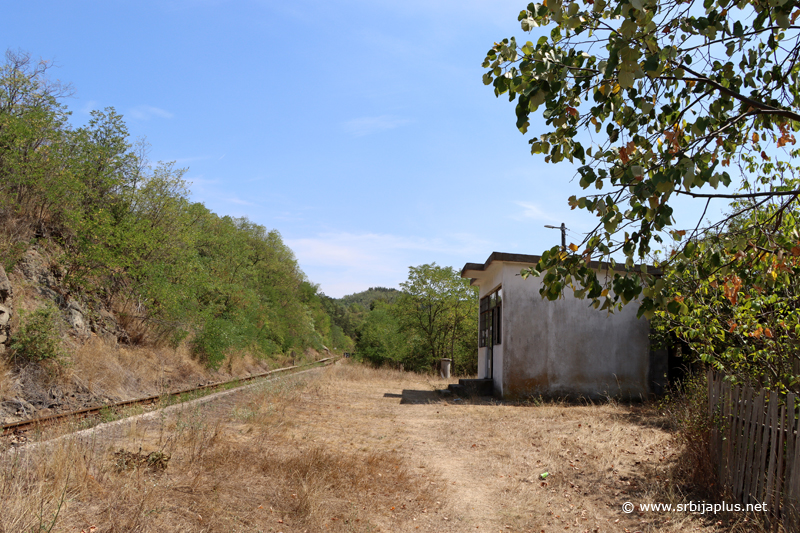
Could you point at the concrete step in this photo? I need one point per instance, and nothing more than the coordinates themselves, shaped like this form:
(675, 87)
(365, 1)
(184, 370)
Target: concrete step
(456, 389)
(473, 387)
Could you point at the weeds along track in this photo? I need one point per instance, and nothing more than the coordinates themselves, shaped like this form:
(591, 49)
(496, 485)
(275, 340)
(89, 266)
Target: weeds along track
(104, 413)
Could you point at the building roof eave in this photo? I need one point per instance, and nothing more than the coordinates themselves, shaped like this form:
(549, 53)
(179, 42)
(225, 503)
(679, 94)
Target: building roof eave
(473, 270)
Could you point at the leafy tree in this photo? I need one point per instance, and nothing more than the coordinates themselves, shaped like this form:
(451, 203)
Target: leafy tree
(439, 310)
(656, 100)
(380, 339)
(34, 181)
(745, 322)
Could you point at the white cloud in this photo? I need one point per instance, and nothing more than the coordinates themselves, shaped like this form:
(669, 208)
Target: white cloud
(359, 127)
(90, 106)
(146, 112)
(239, 201)
(533, 211)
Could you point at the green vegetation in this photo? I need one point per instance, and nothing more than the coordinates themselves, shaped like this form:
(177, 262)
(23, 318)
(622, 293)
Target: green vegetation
(742, 320)
(124, 234)
(435, 316)
(368, 297)
(39, 337)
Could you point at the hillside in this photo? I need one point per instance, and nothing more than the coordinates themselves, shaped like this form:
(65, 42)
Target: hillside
(113, 282)
(366, 298)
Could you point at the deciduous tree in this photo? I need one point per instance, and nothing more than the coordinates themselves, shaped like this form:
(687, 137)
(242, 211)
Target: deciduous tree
(653, 100)
(440, 309)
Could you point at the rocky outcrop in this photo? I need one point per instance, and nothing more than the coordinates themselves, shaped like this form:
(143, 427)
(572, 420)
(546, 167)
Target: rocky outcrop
(84, 318)
(35, 268)
(6, 310)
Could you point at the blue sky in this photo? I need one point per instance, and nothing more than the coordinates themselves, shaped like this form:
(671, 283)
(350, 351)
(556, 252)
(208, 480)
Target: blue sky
(359, 129)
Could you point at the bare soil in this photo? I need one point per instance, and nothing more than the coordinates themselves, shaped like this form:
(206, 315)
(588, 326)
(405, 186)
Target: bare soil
(357, 449)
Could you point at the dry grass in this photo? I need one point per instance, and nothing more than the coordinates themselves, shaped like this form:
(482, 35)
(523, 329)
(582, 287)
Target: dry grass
(115, 371)
(358, 449)
(235, 467)
(6, 381)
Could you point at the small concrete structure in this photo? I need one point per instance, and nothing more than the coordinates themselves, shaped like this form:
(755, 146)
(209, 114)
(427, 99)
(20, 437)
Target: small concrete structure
(530, 346)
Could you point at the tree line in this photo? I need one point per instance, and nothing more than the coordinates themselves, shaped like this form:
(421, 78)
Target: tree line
(433, 316)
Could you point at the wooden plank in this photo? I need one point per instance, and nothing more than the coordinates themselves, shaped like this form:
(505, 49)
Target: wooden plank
(781, 470)
(730, 448)
(765, 432)
(747, 463)
(713, 412)
(741, 443)
(790, 438)
(748, 439)
(763, 449)
(710, 385)
(736, 431)
(790, 502)
(767, 493)
(724, 458)
(752, 468)
(789, 457)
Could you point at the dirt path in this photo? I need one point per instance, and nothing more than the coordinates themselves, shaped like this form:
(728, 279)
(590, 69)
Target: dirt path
(487, 457)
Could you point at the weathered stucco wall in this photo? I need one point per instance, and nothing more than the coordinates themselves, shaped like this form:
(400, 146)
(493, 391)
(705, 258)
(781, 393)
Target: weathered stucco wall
(566, 348)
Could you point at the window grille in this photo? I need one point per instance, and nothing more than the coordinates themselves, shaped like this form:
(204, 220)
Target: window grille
(491, 319)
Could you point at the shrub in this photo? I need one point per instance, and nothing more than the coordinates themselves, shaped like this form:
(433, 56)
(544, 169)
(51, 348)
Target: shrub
(39, 335)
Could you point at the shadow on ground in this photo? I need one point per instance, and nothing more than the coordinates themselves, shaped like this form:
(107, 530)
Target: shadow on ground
(412, 397)
(416, 396)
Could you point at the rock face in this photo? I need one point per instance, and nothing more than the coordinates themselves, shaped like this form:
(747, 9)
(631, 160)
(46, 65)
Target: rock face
(83, 318)
(5, 311)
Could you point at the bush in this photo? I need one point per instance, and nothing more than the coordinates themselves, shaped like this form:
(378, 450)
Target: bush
(222, 334)
(39, 335)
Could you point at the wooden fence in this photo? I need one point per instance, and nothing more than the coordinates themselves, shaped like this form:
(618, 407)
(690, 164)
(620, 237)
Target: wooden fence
(756, 446)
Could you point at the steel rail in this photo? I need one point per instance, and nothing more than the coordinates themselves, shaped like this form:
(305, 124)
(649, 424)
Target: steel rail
(21, 426)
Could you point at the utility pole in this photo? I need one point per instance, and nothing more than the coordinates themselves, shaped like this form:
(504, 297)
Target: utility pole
(563, 229)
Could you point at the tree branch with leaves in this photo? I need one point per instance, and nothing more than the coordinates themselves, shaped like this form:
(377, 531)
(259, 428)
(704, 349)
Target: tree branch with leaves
(655, 100)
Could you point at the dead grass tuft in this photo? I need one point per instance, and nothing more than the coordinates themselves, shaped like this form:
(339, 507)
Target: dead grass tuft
(123, 372)
(6, 381)
(126, 460)
(329, 488)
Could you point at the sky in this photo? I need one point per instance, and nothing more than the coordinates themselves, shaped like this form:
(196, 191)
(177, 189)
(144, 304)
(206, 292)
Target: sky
(359, 129)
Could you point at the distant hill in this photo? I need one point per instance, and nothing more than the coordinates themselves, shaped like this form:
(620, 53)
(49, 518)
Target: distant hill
(365, 298)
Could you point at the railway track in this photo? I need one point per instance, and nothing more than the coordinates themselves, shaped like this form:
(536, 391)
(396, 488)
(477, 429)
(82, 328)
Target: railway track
(170, 398)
